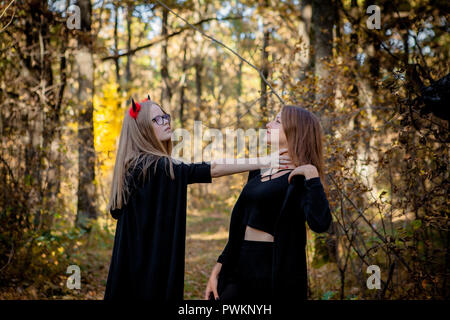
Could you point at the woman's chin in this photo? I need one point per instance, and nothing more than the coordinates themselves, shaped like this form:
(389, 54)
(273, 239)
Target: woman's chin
(168, 136)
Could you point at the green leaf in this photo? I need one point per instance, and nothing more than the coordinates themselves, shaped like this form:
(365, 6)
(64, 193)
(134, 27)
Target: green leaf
(416, 224)
(328, 295)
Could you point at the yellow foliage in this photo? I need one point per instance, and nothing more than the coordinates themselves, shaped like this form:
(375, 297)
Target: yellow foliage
(108, 116)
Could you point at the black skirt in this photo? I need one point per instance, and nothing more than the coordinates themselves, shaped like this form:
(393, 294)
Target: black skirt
(252, 279)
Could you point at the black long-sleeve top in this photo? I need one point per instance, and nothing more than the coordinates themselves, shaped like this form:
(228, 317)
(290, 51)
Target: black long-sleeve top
(149, 245)
(305, 200)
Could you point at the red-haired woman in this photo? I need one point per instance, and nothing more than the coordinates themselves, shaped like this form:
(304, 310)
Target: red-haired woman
(264, 258)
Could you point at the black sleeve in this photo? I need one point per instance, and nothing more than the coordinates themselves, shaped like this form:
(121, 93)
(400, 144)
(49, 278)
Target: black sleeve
(224, 254)
(253, 174)
(198, 172)
(316, 206)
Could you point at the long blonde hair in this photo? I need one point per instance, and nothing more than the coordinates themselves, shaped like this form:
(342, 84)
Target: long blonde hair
(305, 137)
(138, 145)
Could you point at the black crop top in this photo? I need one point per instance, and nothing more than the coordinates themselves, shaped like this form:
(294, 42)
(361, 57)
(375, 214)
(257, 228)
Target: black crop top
(263, 201)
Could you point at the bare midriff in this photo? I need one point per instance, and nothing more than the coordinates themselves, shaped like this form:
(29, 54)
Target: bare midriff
(253, 234)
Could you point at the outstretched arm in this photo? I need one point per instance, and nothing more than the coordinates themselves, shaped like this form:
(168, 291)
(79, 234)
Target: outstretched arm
(225, 167)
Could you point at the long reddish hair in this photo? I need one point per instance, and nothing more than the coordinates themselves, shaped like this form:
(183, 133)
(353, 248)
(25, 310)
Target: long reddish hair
(305, 138)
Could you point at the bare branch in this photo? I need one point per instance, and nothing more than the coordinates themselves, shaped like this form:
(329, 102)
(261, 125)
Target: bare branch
(226, 47)
(361, 214)
(162, 38)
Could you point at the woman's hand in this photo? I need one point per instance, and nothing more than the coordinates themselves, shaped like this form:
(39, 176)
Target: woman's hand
(212, 282)
(284, 160)
(225, 167)
(307, 170)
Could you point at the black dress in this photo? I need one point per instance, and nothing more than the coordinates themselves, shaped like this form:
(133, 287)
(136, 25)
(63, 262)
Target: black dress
(301, 200)
(149, 245)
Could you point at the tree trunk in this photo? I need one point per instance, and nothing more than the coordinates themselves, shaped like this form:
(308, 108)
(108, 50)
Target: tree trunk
(366, 79)
(130, 9)
(183, 84)
(33, 119)
(239, 94)
(166, 92)
(321, 38)
(322, 45)
(304, 32)
(265, 70)
(44, 137)
(86, 209)
(240, 45)
(116, 46)
(198, 66)
(354, 44)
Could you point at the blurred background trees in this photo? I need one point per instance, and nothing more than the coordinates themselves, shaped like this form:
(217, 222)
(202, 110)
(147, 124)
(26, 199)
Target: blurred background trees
(381, 95)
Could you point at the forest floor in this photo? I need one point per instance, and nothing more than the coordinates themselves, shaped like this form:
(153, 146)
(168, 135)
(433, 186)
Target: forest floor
(206, 237)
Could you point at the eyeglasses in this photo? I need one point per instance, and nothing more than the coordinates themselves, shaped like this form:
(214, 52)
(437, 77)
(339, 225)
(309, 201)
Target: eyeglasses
(160, 119)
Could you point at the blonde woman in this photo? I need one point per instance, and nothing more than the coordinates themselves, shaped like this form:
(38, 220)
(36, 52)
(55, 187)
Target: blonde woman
(148, 199)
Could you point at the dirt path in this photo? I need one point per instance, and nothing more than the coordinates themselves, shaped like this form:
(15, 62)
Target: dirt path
(207, 235)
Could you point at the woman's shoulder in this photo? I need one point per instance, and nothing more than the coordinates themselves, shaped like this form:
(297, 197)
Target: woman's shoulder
(147, 166)
(166, 167)
(163, 164)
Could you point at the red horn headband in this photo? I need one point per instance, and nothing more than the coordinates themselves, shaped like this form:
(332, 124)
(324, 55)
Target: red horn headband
(136, 107)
